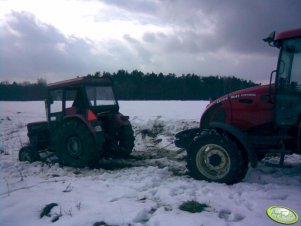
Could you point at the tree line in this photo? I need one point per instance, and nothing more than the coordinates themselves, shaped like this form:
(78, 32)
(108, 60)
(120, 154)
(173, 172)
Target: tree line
(137, 85)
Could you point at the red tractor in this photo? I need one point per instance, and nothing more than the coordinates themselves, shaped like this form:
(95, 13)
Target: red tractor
(242, 127)
(83, 124)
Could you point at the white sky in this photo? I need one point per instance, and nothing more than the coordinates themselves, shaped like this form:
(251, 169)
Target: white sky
(86, 19)
(64, 38)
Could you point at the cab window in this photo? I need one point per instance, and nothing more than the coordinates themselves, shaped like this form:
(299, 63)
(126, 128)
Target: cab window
(289, 71)
(56, 104)
(101, 95)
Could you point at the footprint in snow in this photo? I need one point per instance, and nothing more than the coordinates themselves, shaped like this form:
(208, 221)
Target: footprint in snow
(277, 197)
(239, 200)
(228, 216)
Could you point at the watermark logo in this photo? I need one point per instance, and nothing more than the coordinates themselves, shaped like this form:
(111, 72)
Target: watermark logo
(282, 215)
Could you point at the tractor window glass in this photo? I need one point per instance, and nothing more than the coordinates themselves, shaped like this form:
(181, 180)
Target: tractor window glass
(296, 65)
(290, 65)
(100, 95)
(56, 104)
(284, 65)
(70, 97)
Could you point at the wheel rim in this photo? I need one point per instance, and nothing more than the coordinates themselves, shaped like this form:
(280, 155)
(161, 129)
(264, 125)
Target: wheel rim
(74, 147)
(213, 161)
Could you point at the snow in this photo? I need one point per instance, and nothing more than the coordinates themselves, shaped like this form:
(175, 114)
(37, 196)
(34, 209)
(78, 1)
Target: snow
(145, 190)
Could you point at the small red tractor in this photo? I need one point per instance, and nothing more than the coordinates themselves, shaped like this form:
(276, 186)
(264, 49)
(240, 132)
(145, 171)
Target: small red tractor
(242, 127)
(83, 124)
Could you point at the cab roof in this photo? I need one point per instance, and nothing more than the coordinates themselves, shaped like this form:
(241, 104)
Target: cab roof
(288, 34)
(80, 81)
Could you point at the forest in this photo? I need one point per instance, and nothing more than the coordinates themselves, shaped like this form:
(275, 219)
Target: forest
(136, 85)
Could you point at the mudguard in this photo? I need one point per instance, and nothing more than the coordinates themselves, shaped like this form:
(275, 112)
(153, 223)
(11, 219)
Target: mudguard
(240, 137)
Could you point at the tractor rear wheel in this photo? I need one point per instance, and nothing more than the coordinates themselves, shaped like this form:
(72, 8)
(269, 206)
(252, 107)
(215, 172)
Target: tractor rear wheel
(125, 140)
(76, 145)
(214, 157)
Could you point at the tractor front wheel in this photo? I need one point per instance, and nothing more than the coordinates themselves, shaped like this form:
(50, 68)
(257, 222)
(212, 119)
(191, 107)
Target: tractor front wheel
(214, 157)
(28, 154)
(76, 145)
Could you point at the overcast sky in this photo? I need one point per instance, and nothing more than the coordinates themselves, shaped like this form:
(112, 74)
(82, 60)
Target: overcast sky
(61, 39)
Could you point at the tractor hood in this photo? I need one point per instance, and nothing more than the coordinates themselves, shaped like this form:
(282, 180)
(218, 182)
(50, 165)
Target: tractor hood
(243, 94)
(250, 93)
(220, 110)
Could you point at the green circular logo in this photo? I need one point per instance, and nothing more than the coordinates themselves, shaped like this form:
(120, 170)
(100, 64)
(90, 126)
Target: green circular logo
(282, 215)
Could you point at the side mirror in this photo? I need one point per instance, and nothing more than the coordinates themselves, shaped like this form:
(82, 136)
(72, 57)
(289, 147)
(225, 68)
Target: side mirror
(270, 39)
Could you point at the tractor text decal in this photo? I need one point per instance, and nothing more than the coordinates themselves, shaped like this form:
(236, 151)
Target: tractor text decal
(242, 95)
(234, 97)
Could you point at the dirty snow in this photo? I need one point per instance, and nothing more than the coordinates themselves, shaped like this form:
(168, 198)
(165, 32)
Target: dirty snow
(146, 189)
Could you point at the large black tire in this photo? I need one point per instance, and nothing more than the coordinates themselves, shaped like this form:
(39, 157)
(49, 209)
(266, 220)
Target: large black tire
(126, 140)
(28, 154)
(76, 145)
(216, 158)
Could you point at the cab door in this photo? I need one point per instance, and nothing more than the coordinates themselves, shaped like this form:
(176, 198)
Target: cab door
(288, 84)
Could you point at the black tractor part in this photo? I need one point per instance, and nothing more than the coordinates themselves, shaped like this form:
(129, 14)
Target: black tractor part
(38, 134)
(119, 143)
(185, 137)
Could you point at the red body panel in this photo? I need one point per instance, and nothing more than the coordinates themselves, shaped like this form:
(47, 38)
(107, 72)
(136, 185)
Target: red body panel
(244, 109)
(251, 107)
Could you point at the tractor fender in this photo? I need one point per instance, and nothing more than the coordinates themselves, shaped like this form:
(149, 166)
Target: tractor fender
(239, 136)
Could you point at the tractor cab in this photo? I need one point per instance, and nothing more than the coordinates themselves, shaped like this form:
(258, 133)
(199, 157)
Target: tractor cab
(85, 96)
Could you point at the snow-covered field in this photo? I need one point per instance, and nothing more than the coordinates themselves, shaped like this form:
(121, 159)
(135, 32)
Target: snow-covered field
(144, 190)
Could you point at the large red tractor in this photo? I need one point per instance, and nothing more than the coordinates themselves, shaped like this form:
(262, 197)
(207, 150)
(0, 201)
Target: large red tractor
(83, 124)
(242, 127)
